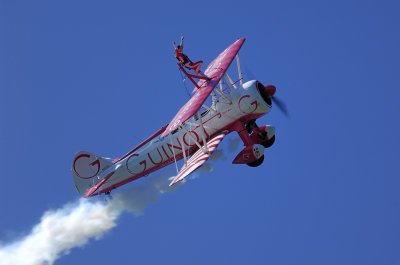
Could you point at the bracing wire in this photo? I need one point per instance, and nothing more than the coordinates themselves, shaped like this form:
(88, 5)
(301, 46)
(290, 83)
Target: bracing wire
(184, 83)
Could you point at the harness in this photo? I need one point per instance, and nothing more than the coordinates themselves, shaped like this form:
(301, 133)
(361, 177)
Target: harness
(182, 58)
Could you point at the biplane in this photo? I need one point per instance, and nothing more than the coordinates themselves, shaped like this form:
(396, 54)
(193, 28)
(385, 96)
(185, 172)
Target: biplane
(194, 133)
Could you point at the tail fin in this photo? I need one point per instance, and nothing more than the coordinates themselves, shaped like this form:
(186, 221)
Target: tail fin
(85, 168)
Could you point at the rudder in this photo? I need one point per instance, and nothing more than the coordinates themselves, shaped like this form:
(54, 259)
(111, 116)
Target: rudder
(85, 169)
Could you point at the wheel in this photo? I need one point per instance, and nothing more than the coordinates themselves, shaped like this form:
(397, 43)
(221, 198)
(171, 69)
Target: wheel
(269, 142)
(257, 162)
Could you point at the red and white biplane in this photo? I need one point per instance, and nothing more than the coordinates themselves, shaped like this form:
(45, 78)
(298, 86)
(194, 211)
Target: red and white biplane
(193, 134)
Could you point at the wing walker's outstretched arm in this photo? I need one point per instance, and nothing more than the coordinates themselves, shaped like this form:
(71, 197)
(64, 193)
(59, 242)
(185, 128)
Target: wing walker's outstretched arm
(179, 45)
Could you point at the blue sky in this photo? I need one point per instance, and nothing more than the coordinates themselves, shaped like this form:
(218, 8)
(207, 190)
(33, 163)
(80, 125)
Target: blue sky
(101, 76)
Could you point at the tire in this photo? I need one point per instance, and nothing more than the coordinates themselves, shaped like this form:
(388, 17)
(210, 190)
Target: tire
(257, 162)
(269, 142)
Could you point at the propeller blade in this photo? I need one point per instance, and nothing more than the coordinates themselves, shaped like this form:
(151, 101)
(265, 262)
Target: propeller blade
(278, 102)
(281, 106)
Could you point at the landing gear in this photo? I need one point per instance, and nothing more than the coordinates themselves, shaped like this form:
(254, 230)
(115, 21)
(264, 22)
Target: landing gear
(257, 162)
(251, 125)
(269, 142)
(256, 142)
(261, 135)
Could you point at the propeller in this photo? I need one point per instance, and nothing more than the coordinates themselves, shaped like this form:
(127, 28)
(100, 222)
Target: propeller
(270, 92)
(281, 106)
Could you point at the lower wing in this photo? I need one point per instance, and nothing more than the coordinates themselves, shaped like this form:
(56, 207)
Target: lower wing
(199, 158)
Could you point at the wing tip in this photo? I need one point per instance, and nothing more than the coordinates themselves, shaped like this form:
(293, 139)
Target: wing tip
(173, 181)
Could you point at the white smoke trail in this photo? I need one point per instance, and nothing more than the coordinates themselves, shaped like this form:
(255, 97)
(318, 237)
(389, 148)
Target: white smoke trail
(233, 144)
(74, 224)
(136, 199)
(58, 231)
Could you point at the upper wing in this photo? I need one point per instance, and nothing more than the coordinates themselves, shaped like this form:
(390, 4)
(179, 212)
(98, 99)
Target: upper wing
(215, 71)
(198, 158)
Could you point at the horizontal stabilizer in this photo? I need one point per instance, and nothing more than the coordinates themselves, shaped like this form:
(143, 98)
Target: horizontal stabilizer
(199, 158)
(91, 191)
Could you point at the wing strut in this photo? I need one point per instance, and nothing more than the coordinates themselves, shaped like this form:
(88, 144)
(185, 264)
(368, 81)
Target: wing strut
(173, 152)
(228, 80)
(223, 96)
(202, 132)
(183, 148)
(195, 141)
(239, 69)
(227, 77)
(208, 108)
(198, 158)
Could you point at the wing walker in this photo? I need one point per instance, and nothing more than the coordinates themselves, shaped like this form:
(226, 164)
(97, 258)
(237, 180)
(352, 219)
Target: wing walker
(185, 61)
(195, 131)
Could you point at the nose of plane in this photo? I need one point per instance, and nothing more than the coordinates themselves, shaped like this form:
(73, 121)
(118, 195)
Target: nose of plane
(270, 90)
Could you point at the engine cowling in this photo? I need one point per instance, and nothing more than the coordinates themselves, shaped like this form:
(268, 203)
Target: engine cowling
(266, 92)
(249, 154)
